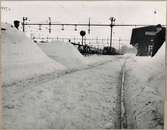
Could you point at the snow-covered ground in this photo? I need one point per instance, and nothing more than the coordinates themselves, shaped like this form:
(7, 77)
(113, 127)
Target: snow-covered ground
(22, 59)
(75, 98)
(145, 91)
(60, 88)
(84, 99)
(68, 55)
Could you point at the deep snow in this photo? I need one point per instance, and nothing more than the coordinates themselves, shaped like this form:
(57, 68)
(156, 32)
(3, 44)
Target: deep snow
(145, 91)
(65, 53)
(83, 99)
(63, 89)
(22, 59)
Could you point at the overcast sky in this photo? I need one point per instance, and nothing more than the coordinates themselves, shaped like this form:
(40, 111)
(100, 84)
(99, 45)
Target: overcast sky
(125, 12)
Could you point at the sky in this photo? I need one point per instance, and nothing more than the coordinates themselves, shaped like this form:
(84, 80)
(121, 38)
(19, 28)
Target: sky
(125, 12)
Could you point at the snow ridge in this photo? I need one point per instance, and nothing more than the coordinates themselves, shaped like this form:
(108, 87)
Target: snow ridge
(122, 96)
(22, 59)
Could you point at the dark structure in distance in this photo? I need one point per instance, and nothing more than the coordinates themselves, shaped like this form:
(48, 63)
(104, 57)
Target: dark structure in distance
(148, 40)
(107, 50)
(16, 24)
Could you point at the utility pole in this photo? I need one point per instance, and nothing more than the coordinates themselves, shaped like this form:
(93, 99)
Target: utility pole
(24, 19)
(50, 24)
(112, 19)
(89, 26)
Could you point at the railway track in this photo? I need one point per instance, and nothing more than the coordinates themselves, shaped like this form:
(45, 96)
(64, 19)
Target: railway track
(123, 114)
(116, 120)
(121, 93)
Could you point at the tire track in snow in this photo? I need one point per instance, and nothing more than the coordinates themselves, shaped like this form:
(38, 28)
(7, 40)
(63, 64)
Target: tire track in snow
(37, 81)
(50, 76)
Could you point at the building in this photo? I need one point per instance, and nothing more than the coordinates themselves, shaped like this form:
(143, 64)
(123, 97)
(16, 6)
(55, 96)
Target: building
(148, 40)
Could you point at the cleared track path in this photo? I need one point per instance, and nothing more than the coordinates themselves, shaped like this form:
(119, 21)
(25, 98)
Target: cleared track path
(87, 98)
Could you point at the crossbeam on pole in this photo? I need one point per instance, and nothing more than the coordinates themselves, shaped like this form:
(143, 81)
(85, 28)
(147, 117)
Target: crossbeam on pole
(74, 24)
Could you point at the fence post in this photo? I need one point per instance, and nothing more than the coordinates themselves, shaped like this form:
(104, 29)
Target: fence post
(97, 40)
(119, 44)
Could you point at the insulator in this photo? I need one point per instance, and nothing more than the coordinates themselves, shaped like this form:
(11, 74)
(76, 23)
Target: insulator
(75, 28)
(62, 27)
(88, 31)
(40, 27)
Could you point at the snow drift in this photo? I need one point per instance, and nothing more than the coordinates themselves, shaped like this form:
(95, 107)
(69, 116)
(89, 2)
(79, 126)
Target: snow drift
(68, 55)
(63, 52)
(21, 58)
(144, 88)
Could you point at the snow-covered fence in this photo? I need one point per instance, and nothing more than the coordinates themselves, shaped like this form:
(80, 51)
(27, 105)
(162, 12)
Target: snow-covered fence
(50, 25)
(94, 42)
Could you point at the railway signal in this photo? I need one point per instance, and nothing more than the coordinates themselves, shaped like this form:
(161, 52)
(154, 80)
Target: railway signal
(82, 33)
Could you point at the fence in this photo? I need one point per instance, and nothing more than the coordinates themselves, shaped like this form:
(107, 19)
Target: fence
(94, 42)
(50, 25)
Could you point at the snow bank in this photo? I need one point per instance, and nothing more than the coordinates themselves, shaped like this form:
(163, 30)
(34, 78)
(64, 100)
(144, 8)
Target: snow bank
(68, 55)
(144, 90)
(22, 59)
(63, 52)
